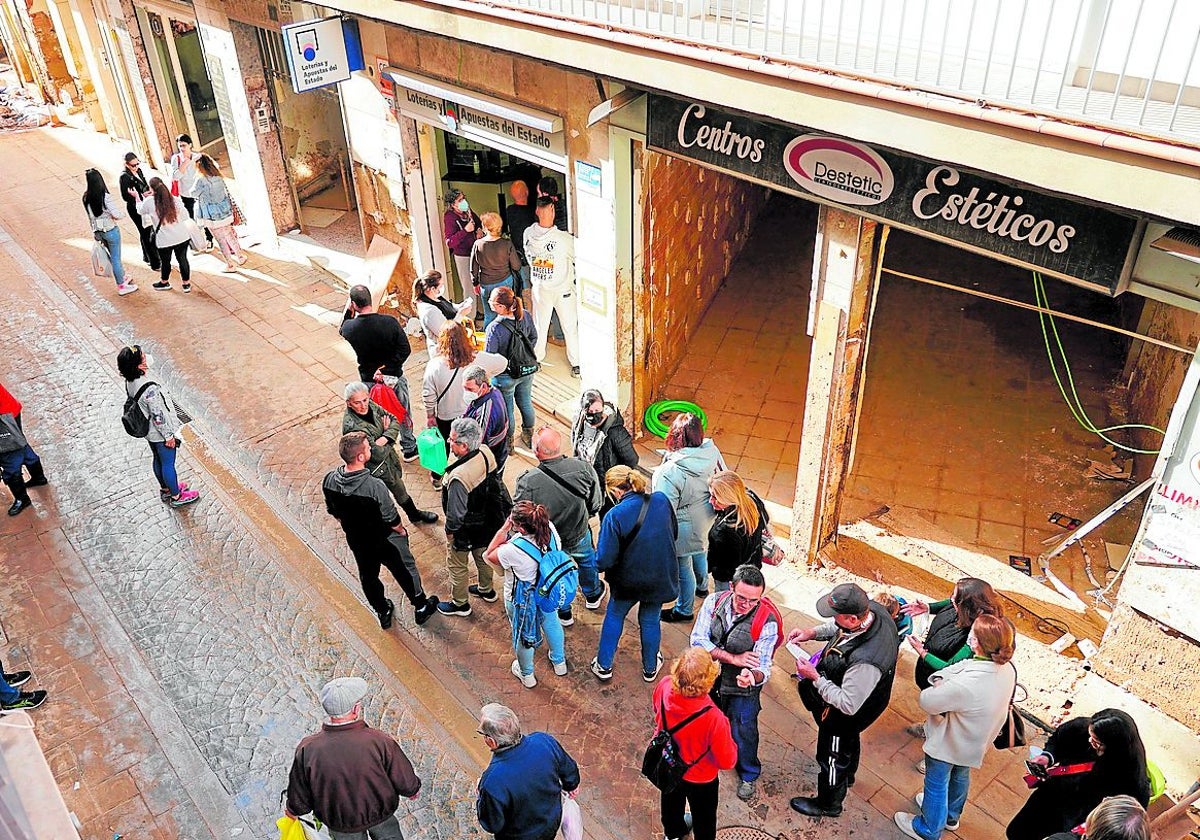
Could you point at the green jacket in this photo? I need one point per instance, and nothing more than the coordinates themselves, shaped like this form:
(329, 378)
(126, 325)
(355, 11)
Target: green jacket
(383, 458)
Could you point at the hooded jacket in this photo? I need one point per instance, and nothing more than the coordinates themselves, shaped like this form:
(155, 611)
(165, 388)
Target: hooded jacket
(362, 504)
(683, 479)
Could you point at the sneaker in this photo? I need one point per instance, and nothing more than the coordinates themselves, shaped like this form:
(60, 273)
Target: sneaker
(594, 603)
(917, 730)
(671, 617)
(385, 617)
(560, 668)
(745, 790)
(649, 676)
(604, 674)
(17, 678)
(185, 497)
(701, 593)
(565, 618)
(575, 371)
(488, 595)
(127, 289)
(921, 766)
(166, 492)
(451, 608)
(187, 287)
(687, 822)
(161, 285)
(436, 481)
(27, 700)
(904, 822)
(527, 680)
(426, 611)
(409, 457)
(919, 798)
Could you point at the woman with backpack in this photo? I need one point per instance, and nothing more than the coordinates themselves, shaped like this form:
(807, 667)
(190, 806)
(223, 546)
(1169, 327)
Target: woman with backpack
(636, 552)
(513, 336)
(151, 402)
(736, 536)
(103, 213)
(517, 548)
(704, 742)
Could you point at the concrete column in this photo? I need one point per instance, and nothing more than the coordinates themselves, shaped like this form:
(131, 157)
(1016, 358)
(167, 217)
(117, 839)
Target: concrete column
(848, 250)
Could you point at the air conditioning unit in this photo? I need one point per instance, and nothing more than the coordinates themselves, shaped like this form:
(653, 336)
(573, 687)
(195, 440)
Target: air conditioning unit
(1168, 266)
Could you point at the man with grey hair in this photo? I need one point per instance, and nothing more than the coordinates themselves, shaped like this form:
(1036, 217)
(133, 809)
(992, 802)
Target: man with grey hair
(381, 348)
(362, 505)
(381, 428)
(476, 504)
(520, 792)
(486, 405)
(348, 775)
(570, 491)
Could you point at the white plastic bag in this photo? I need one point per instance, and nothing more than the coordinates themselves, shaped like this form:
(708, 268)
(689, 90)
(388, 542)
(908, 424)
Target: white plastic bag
(101, 261)
(198, 241)
(572, 819)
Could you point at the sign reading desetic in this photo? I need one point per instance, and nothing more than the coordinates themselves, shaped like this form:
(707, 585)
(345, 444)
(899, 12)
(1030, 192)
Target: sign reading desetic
(316, 53)
(1066, 238)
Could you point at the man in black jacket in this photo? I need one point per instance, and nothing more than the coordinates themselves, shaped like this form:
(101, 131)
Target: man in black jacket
(135, 186)
(846, 688)
(364, 507)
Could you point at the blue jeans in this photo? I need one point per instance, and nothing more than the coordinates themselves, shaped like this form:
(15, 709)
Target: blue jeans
(614, 624)
(11, 463)
(164, 466)
(551, 629)
(8, 694)
(488, 314)
(584, 553)
(742, 711)
(945, 794)
(522, 389)
(693, 569)
(112, 240)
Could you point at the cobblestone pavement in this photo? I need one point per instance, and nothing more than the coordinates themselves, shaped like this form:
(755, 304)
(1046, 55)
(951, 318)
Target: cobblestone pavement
(234, 610)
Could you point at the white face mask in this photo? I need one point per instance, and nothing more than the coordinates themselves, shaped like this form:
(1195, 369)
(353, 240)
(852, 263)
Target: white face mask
(469, 396)
(149, 357)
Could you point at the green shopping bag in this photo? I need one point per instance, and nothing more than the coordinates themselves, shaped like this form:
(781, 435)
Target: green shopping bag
(431, 449)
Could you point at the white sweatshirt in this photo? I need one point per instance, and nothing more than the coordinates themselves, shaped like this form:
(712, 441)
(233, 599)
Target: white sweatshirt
(967, 703)
(551, 255)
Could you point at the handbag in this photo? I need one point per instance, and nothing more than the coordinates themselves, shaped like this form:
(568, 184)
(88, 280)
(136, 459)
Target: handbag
(239, 218)
(101, 260)
(1012, 732)
(12, 439)
(196, 234)
(772, 552)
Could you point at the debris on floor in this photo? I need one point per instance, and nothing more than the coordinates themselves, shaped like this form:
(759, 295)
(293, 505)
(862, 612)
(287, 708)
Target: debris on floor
(19, 111)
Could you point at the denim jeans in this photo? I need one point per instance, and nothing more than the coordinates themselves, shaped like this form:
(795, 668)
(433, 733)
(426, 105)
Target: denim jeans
(693, 570)
(551, 629)
(584, 553)
(11, 462)
(112, 240)
(486, 294)
(722, 585)
(742, 711)
(389, 829)
(8, 694)
(946, 787)
(614, 624)
(522, 389)
(164, 466)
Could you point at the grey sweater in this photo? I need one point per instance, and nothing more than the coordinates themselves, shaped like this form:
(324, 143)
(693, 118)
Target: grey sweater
(569, 512)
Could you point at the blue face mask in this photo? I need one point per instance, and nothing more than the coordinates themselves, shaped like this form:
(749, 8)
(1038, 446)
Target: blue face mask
(462, 206)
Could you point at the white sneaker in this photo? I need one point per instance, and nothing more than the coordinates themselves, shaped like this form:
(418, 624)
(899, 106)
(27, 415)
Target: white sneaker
(528, 681)
(127, 289)
(919, 798)
(560, 668)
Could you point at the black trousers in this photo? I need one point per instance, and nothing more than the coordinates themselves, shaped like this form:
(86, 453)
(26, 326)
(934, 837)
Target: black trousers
(146, 235)
(181, 254)
(702, 797)
(394, 555)
(190, 205)
(838, 751)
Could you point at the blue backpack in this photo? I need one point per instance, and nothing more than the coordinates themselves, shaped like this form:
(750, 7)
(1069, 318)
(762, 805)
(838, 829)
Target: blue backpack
(558, 574)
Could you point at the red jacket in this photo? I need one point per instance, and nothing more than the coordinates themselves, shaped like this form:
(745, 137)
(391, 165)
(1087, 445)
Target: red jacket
(8, 403)
(706, 738)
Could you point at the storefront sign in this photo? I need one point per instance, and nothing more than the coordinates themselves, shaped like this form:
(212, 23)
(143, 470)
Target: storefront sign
(588, 178)
(530, 134)
(320, 53)
(1014, 222)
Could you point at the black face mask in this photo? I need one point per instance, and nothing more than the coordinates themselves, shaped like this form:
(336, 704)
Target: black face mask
(594, 417)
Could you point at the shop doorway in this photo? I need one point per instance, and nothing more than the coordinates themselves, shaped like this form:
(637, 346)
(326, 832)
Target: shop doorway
(313, 138)
(731, 336)
(181, 76)
(966, 436)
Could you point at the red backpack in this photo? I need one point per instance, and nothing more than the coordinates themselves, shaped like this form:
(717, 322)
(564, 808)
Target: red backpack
(760, 617)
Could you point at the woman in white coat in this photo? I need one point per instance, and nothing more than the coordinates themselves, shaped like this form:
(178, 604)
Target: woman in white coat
(967, 703)
(433, 310)
(172, 232)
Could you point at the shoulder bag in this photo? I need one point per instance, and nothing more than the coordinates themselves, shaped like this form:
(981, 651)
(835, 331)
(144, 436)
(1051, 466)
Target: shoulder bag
(1012, 732)
(662, 764)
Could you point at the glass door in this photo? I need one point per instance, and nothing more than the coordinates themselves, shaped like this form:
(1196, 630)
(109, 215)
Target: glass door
(181, 76)
(194, 73)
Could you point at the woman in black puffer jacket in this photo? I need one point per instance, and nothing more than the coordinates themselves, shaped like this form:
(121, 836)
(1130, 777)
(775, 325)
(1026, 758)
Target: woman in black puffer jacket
(599, 437)
(736, 537)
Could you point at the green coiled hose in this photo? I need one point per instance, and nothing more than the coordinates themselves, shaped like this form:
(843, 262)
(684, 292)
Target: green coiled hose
(656, 427)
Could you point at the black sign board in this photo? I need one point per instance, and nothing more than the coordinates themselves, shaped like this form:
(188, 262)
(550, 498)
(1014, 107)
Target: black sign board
(1012, 221)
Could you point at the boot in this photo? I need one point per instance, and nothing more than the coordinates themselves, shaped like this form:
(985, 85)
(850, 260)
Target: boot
(20, 498)
(37, 476)
(418, 516)
(527, 437)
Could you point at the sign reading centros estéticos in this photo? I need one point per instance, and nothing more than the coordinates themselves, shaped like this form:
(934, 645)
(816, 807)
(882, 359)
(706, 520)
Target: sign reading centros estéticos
(316, 53)
(1015, 222)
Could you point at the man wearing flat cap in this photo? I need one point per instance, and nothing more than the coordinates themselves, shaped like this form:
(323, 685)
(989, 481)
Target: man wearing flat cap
(348, 775)
(846, 687)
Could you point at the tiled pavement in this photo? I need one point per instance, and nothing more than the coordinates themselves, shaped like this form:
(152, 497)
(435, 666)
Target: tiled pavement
(183, 647)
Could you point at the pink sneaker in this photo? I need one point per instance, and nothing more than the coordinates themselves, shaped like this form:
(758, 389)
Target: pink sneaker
(183, 485)
(186, 497)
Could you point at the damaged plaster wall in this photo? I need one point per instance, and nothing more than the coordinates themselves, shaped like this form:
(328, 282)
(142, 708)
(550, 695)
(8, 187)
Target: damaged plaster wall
(310, 126)
(696, 221)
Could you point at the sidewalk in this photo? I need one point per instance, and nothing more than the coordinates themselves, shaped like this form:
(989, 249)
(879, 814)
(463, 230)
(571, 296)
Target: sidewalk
(182, 649)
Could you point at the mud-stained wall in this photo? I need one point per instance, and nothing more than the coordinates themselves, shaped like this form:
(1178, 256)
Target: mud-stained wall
(1155, 374)
(696, 223)
(50, 53)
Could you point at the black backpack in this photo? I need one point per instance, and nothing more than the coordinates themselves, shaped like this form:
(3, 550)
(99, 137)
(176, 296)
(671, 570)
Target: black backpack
(662, 764)
(521, 359)
(135, 422)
